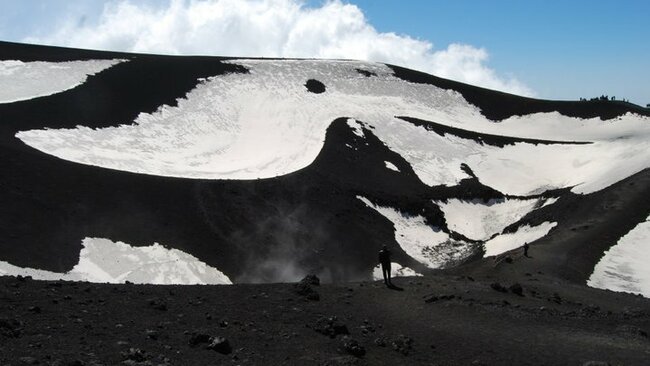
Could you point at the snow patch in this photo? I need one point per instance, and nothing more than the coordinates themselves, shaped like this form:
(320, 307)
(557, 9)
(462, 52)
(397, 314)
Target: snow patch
(396, 270)
(391, 166)
(524, 234)
(356, 127)
(27, 80)
(479, 220)
(427, 244)
(102, 260)
(624, 267)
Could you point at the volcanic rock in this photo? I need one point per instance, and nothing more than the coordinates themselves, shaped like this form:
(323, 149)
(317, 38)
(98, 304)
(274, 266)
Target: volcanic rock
(330, 326)
(134, 354)
(304, 288)
(402, 344)
(498, 287)
(158, 304)
(311, 280)
(199, 338)
(219, 344)
(516, 289)
(351, 346)
(11, 328)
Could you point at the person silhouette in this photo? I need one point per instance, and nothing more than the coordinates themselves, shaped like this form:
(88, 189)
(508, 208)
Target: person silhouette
(384, 260)
(526, 250)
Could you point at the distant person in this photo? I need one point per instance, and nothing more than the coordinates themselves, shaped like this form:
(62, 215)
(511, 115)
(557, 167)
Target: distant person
(526, 250)
(384, 260)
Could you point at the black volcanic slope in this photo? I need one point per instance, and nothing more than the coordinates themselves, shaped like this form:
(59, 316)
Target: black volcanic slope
(270, 230)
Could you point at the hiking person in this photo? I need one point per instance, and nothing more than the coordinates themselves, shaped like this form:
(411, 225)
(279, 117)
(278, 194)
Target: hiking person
(526, 250)
(384, 260)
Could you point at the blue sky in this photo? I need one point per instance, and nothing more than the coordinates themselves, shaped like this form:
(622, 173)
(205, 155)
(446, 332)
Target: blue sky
(551, 49)
(562, 49)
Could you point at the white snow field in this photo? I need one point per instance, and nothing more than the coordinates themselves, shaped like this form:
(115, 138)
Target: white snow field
(509, 241)
(265, 124)
(480, 220)
(396, 270)
(27, 80)
(427, 244)
(625, 266)
(102, 260)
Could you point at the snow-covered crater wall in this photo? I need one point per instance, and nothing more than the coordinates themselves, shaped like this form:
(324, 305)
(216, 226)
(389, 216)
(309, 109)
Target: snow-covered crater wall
(266, 123)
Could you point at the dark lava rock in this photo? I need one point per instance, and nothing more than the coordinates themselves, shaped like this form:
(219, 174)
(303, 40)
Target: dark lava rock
(304, 289)
(311, 280)
(517, 289)
(381, 342)
(589, 311)
(34, 309)
(11, 328)
(199, 338)
(402, 344)
(351, 346)
(28, 360)
(134, 354)
(158, 304)
(152, 334)
(315, 86)
(632, 330)
(366, 329)
(434, 298)
(556, 298)
(498, 287)
(330, 326)
(219, 344)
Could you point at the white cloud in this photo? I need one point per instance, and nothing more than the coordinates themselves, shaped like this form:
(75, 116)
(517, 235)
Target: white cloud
(271, 28)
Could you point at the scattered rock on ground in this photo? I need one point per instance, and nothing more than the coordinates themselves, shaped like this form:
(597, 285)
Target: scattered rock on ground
(220, 344)
(632, 330)
(498, 287)
(351, 346)
(516, 289)
(28, 360)
(158, 304)
(381, 342)
(199, 338)
(434, 298)
(311, 280)
(134, 354)
(342, 361)
(330, 326)
(402, 344)
(304, 288)
(11, 328)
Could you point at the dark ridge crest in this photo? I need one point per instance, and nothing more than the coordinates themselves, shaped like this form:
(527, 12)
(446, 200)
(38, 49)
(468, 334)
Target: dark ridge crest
(497, 106)
(483, 138)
